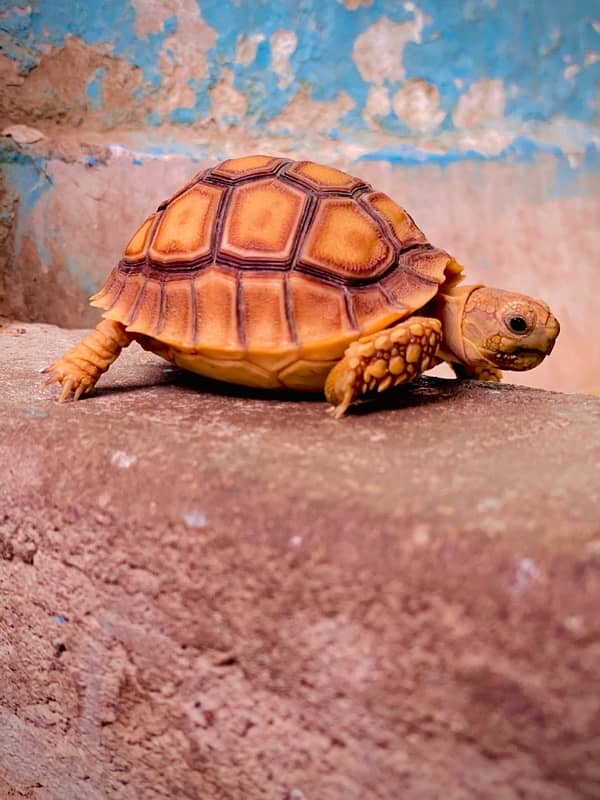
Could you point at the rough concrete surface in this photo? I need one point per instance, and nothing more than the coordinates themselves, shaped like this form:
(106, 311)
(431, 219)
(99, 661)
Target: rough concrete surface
(209, 594)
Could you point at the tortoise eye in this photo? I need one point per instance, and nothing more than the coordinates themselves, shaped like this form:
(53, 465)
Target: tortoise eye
(517, 324)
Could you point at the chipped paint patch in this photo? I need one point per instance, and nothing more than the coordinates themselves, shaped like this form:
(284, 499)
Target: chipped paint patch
(378, 105)
(228, 105)
(183, 57)
(122, 460)
(304, 113)
(246, 48)
(283, 44)
(162, 60)
(194, 518)
(378, 52)
(481, 104)
(417, 104)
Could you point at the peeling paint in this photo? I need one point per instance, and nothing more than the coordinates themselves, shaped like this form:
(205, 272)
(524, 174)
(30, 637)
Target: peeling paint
(246, 47)
(169, 61)
(417, 104)
(482, 103)
(304, 113)
(378, 105)
(378, 52)
(283, 44)
(182, 58)
(228, 104)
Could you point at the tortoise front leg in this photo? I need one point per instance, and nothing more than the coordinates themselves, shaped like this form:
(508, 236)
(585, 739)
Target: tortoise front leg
(79, 369)
(476, 372)
(383, 359)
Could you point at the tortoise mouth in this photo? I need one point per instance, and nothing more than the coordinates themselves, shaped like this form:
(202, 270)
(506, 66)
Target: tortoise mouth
(519, 360)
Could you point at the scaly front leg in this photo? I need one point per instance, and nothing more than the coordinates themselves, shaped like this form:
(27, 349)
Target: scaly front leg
(476, 372)
(79, 369)
(383, 359)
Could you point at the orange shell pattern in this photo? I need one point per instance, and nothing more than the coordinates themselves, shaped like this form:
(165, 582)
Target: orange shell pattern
(262, 257)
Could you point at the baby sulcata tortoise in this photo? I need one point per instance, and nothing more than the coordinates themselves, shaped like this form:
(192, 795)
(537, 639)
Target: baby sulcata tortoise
(275, 273)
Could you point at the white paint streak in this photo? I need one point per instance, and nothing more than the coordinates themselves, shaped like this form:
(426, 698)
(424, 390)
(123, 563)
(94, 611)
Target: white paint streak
(378, 51)
(526, 572)
(283, 44)
(591, 57)
(378, 105)
(482, 103)
(194, 519)
(122, 460)
(596, 26)
(246, 47)
(571, 71)
(228, 105)
(417, 105)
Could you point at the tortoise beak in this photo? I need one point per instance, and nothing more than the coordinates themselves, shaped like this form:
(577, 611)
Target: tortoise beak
(552, 329)
(539, 345)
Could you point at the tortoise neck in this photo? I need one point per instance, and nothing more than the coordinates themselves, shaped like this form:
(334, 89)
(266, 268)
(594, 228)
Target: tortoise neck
(450, 307)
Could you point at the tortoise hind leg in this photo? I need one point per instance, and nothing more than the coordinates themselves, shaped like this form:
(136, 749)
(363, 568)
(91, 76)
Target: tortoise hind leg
(383, 359)
(79, 368)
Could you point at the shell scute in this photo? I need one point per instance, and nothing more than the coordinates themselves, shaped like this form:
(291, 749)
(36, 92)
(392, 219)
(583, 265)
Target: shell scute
(401, 224)
(346, 242)
(185, 228)
(136, 247)
(262, 221)
(372, 309)
(146, 316)
(428, 262)
(265, 319)
(216, 304)
(247, 167)
(126, 297)
(323, 178)
(407, 291)
(320, 313)
(178, 320)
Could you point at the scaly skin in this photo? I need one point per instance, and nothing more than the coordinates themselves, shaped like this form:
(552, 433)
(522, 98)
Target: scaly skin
(477, 372)
(79, 369)
(383, 359)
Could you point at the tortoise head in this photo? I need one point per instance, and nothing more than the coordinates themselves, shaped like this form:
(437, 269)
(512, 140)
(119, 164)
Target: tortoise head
(506, 329)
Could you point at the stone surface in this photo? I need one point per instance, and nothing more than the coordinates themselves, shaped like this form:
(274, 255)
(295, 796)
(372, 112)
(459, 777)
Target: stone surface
(209, 594)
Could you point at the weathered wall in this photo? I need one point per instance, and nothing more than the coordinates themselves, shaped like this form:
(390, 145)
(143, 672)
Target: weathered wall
(430, 67)
(480, 117)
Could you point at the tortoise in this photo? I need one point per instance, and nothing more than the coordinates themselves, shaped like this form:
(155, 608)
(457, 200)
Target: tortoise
(275, 273)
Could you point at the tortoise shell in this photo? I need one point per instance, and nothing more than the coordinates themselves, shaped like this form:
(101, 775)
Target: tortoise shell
(261, 270)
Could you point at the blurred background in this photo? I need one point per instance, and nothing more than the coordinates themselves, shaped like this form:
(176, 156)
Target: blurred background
(481, 117)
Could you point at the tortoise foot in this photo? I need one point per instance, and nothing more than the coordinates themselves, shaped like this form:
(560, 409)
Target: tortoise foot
(75, 381)
(79, 369)
(382, 360)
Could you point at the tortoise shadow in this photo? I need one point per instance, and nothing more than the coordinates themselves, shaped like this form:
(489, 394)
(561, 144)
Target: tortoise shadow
(424, 391)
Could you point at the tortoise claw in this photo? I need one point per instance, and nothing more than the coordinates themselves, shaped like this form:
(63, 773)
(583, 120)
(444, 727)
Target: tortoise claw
(67, 389)
(73, 385)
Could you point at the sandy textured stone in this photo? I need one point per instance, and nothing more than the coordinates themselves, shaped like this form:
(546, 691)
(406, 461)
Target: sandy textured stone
(209, 594)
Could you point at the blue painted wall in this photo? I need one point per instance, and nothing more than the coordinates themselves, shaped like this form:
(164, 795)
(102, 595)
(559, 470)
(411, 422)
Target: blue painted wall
(545, 56)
